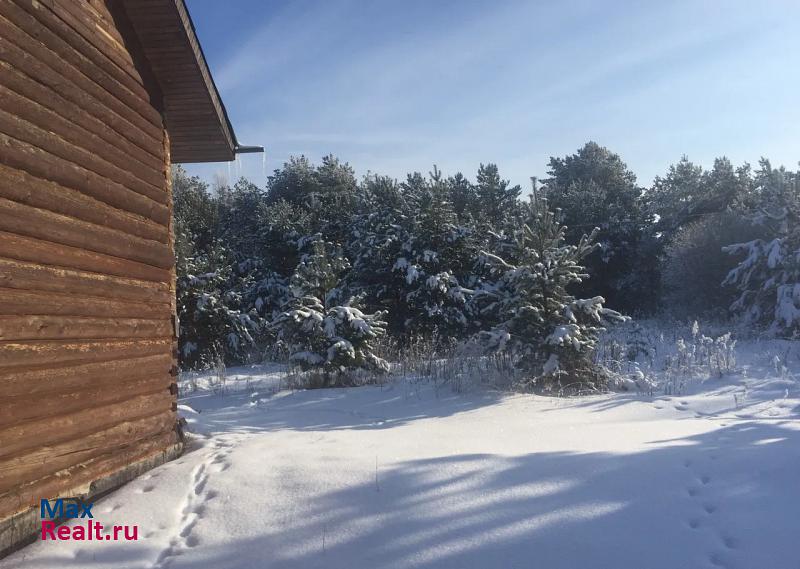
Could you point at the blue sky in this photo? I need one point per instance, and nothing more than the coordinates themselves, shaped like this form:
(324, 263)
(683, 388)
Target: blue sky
(396, 86)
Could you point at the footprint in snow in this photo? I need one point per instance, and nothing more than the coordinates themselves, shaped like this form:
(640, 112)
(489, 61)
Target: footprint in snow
(730, 542)
(717, 560)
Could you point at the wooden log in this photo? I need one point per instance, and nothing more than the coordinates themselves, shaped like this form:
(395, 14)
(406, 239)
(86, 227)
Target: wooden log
(42, 164)
(16, 36)
(17, 439)
(75, 480)
(28, 408)
(12, 125)
(57, 81)
(43, 224)
(53, 100)
(43, 353)
(47, 327)
(42, 381)
(23, 248)
(48, 459)
(78, 50)
(31, 276)
(37, 303)
(112, 161)
(19, 186)
(108, 41)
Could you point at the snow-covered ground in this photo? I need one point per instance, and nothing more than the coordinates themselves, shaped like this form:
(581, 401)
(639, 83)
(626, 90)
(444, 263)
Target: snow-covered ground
(409, 475)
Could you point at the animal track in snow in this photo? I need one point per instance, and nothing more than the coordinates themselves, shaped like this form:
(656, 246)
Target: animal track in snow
(702, 493)
(194, 504)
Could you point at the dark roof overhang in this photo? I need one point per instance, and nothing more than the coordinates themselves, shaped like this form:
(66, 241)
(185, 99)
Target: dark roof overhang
(195, 117)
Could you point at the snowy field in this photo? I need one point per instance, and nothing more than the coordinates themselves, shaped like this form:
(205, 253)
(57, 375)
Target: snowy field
(412, 475)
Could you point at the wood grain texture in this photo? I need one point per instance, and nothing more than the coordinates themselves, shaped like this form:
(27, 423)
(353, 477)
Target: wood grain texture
(35, 277)
(75, 480)
(42, 224)
(21, 187)
(23, 248)
(45, 380)
(47, 459)
(68, 352)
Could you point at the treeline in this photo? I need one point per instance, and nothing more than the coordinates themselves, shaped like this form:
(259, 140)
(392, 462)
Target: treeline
(320, 263)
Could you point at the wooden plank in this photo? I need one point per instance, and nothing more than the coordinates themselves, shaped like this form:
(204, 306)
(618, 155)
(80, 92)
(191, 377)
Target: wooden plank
(43, 381)
(58, 81)
(11, 33)
(42, 164)
(21, 248)
(32, 276)
(50, 458)
(43, 224)
(14, 126)
(38, 407)
(109, 156)
(49, 353)
(75, 480)
(19, 186)
(37, 303)
(47, 327)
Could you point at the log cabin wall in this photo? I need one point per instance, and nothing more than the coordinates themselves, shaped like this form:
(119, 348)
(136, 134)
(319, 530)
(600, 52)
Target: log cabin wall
(87, 335)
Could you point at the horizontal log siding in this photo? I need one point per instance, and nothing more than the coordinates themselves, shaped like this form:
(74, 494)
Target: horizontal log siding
(87, 291)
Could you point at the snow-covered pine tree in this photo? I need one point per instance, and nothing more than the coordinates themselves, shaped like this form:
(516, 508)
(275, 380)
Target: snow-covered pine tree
(434, 254)
(376, 236)
(495, 199)
(213, 325)
(550, 334)
(594, 187)
(410, 254)
(768, 278)
(463, 196)
(328, 337)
